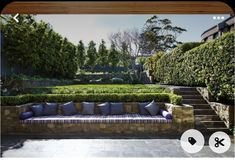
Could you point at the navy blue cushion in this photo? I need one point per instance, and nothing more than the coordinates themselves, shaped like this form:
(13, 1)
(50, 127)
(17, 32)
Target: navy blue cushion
(37, 110)
(165, 114)
(25, 115)
(142, 109)
(104, 108)
(50, 109)
(152, 108)
(68, 109)
(116, 108)
(88, 108)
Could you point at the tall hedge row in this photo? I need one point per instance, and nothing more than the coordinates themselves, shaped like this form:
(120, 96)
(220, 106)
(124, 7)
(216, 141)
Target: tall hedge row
(34, 47)
(211, 64)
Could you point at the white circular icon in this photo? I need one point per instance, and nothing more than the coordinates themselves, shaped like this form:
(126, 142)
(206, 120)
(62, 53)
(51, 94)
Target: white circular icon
(219, 142)
(192, 141)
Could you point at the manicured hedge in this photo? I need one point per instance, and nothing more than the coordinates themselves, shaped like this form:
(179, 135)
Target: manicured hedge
(96, 89)
(211, 64)
(160, 97)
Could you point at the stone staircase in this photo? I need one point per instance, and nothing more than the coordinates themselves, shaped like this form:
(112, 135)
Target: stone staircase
(206, 119)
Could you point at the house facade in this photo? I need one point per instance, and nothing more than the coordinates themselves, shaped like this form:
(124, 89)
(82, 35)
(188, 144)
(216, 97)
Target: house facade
(218, 30)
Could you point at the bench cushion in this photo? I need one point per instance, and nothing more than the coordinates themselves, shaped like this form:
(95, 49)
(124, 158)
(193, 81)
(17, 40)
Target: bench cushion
(37, 110)
(142, 109)
(50, 109)
(104, 108)
(68, 109)
(152, 108)
(116, 108)
(88, 108)
(125, 118)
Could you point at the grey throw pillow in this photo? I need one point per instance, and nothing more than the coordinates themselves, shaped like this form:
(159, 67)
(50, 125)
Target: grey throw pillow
(68, 109)
(88, 107)
(142, 109)
(50, 109)
(37, 110)
(152, 108)
(116, 108)
(104, 108)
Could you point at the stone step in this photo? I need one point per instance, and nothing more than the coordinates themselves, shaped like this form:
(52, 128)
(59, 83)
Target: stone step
(189, 93)
(187, 89)
(209, 131)
(194, 101)
(192, 96)
(207, 118)
(204, 112)
(201, 106)
(210, 124)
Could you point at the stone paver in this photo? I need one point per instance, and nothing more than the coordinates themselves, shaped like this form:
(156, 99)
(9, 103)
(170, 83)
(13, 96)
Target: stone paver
(107, 148)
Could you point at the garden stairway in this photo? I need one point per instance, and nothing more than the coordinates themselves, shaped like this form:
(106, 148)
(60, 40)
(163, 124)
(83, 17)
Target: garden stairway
(206, 119)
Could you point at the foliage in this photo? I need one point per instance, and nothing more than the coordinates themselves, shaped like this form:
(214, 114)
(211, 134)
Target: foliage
(94, 88)
(128, 44)
(113, 56)
(35, 46)
(102, 55)
(81, 54)
(134, 97)
(159, 35)
(117, 80)
(141, 60)
(150, 62)
(91, 54)
(211, 64)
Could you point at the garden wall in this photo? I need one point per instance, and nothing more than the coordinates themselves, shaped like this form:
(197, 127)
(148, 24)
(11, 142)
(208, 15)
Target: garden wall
(224, 111)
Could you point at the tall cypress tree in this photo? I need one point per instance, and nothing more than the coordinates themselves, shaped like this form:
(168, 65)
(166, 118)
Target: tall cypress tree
(113, 56)
(91, 54)
(102, 54)
(81, 54)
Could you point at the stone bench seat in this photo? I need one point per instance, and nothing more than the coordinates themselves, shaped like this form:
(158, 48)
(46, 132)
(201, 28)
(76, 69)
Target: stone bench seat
(130, 123)
(125, 118)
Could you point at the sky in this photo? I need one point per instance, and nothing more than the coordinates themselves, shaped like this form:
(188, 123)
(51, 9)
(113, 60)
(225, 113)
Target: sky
(97, 26)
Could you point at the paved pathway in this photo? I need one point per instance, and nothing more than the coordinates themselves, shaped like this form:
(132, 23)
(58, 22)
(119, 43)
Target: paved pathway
(107, 148)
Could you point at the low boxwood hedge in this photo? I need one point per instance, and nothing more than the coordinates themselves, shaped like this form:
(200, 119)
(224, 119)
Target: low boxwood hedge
(159, 97)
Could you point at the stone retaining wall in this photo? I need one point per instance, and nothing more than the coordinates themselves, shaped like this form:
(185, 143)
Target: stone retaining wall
(183, 119)
(205, 93)
(225, 112)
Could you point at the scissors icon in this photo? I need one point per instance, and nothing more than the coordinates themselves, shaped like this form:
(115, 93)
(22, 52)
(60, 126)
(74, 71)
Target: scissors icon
(218, 142)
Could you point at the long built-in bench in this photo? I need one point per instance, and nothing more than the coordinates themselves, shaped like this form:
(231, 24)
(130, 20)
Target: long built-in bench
(130, 122)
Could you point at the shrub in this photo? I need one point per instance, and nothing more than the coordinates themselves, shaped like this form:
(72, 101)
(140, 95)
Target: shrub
(139, 97)
(117, 80)
(210, 64)
(37, 48)
(96, 88)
